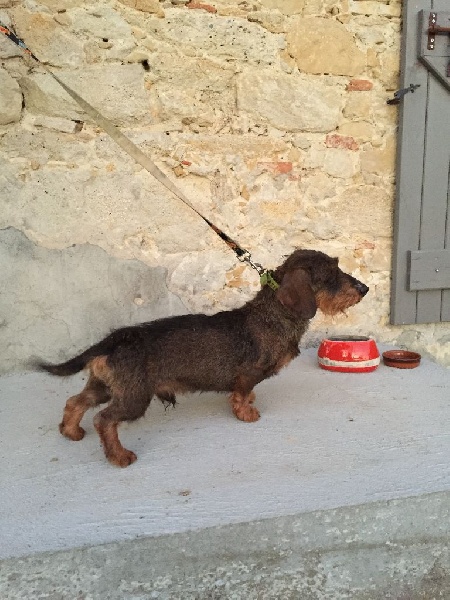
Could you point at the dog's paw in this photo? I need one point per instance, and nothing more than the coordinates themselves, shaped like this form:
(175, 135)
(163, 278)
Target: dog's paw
(249, 414)
(72, 433)
(124, 458)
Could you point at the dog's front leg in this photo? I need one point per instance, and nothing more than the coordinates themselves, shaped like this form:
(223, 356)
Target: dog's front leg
(241, 404)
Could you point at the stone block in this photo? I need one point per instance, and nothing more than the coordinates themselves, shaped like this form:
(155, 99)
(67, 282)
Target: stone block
(302, 141)
(379, 160)
(10, 99)
(276, 168)
(146, 6)
(334, 140)
(288, 102)
(102, 203)
(100, 22)
(50, 42)
(238, 148)
(360, 130)
(116, 90)
(63, 19)
(314, 158)
(341, 163)
(324, 46)
(371, 7)
(336, 8)
(273, 22)
(389, 71)
(287, 7)
(7, 48)
(61, 5)
(379, 259)
(201, 6)
(55, 123)
(30, 142)
(197, 90)
(374, 37)
(359, 85)
(363, 210)
(372, 58)
(199, 33)
(358, 106)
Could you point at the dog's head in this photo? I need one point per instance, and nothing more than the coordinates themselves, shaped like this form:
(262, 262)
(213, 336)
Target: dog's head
(310, 280)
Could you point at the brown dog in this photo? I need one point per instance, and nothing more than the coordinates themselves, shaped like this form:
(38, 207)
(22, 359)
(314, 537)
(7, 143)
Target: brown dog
(230, 351)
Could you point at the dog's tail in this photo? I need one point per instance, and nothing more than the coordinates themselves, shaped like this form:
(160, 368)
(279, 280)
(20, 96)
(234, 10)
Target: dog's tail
(76, 364)
(70, 367)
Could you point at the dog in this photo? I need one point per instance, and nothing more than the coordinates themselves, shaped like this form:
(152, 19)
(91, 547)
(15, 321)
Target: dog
(230, 351)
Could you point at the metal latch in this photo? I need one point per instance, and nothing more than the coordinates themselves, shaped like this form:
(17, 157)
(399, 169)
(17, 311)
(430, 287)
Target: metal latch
(398, 95)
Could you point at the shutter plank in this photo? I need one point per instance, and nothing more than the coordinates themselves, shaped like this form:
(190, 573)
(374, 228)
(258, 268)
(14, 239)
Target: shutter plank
(435, 192)
(445, 315)
(445, 312)
(410, 155)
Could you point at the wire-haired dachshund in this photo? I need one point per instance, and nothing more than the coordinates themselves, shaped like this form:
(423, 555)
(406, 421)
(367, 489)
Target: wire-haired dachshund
(230, 351)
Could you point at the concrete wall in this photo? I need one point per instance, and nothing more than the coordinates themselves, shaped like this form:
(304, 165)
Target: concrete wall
(63, 300)
(382, 551)
(270, 115)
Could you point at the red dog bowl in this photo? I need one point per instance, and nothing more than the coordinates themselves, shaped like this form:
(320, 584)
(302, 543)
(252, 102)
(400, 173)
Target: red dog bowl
(349, 354)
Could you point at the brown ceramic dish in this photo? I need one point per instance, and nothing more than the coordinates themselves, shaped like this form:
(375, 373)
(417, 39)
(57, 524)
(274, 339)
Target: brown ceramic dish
(401, 359)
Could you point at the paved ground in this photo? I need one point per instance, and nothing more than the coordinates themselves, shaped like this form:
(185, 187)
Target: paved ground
(325, 440)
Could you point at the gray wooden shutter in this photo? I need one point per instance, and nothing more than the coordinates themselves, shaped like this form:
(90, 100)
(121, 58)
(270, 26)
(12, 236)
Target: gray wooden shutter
(421, 258)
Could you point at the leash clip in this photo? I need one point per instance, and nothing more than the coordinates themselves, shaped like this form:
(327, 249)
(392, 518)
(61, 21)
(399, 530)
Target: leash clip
(265, 276)
(245, 256)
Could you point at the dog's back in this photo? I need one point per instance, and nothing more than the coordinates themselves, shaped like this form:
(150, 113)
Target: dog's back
(190, 352)
(170, 348)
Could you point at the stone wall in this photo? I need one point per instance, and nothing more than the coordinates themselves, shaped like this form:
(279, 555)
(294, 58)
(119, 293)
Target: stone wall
(270, 115)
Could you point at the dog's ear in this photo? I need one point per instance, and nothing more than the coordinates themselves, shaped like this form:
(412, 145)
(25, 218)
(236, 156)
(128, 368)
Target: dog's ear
(296, 294)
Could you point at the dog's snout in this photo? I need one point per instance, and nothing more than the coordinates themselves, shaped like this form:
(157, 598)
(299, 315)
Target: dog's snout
(362, 289)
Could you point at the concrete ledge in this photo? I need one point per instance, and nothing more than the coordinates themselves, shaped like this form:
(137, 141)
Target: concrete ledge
(325, 440)
(385, 550)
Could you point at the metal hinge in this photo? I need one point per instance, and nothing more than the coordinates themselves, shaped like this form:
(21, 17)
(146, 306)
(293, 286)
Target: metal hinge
(435, 29)
(434, 46)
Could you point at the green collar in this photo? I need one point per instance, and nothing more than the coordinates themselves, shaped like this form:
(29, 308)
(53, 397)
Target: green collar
(266, 278)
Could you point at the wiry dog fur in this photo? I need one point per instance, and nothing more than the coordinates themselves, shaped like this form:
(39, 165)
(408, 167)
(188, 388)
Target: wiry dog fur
(230, 351)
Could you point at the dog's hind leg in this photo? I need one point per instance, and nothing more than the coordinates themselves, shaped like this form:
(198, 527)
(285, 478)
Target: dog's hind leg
(94, 393)
(129, 407)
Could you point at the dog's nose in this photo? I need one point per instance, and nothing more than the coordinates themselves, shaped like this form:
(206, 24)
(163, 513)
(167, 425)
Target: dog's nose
(362, 289)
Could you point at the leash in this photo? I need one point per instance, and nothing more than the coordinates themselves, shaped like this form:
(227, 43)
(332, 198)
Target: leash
(132, 150)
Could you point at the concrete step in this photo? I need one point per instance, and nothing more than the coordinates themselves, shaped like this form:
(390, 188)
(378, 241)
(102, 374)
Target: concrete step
(378, 551)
